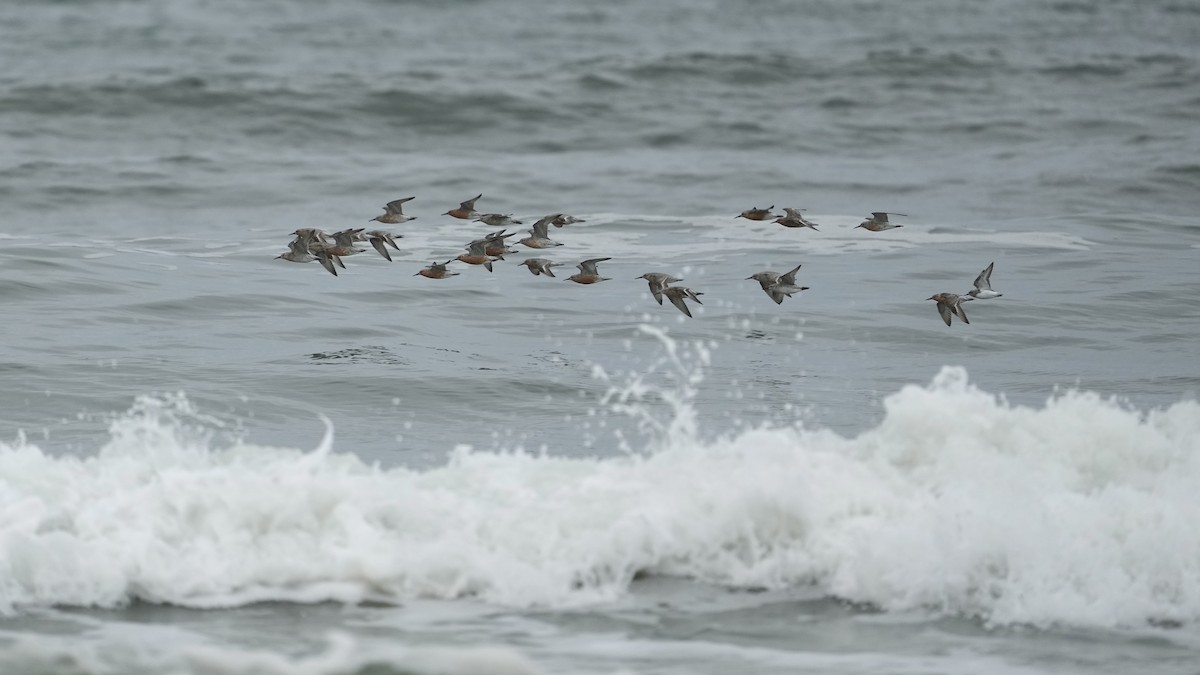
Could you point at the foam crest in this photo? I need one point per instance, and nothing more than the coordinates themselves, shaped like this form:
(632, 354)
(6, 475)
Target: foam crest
(1082, 511)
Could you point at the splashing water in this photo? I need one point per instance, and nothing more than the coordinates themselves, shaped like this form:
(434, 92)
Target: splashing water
(1081, 512)
(686, 372)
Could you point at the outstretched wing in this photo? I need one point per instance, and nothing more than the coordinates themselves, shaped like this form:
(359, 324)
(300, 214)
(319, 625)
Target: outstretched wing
(983, 282)
(677, 299)
(945, 311)
(789, 279)
(381, 245)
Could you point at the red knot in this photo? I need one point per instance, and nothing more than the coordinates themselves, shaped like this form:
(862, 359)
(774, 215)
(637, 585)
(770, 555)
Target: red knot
(949, 304)
(588, 273)
(465, 210)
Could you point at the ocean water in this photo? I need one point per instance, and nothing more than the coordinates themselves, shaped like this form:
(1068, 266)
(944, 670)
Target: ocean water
(214, 461)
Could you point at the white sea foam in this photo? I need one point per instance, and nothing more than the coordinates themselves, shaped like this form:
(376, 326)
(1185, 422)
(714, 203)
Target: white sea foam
(1081, 512)
(698, 239)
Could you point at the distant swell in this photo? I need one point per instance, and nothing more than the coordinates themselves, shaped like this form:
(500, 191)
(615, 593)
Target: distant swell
(455, 112)
(737, 69)
(119, 98)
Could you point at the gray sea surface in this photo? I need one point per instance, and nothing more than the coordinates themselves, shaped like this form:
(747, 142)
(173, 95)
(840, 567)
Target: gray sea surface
(155, 156)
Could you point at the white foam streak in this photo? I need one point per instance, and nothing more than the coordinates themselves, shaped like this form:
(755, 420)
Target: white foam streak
(343, 656)
(1079, 512)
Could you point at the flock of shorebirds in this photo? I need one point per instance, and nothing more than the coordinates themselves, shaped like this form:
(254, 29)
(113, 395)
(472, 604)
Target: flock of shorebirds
(311, 244)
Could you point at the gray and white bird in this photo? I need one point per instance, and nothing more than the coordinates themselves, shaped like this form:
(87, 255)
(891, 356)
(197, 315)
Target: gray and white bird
(983, 285)
(658, 283)
(778, 286)
(300, 252)
(380, 240)
(539, 236)
(679, 294)
(879, 222)
(393, 212)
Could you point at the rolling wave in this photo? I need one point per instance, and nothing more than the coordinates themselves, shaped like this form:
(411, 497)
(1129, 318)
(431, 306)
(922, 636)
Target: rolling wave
(1081, 512)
